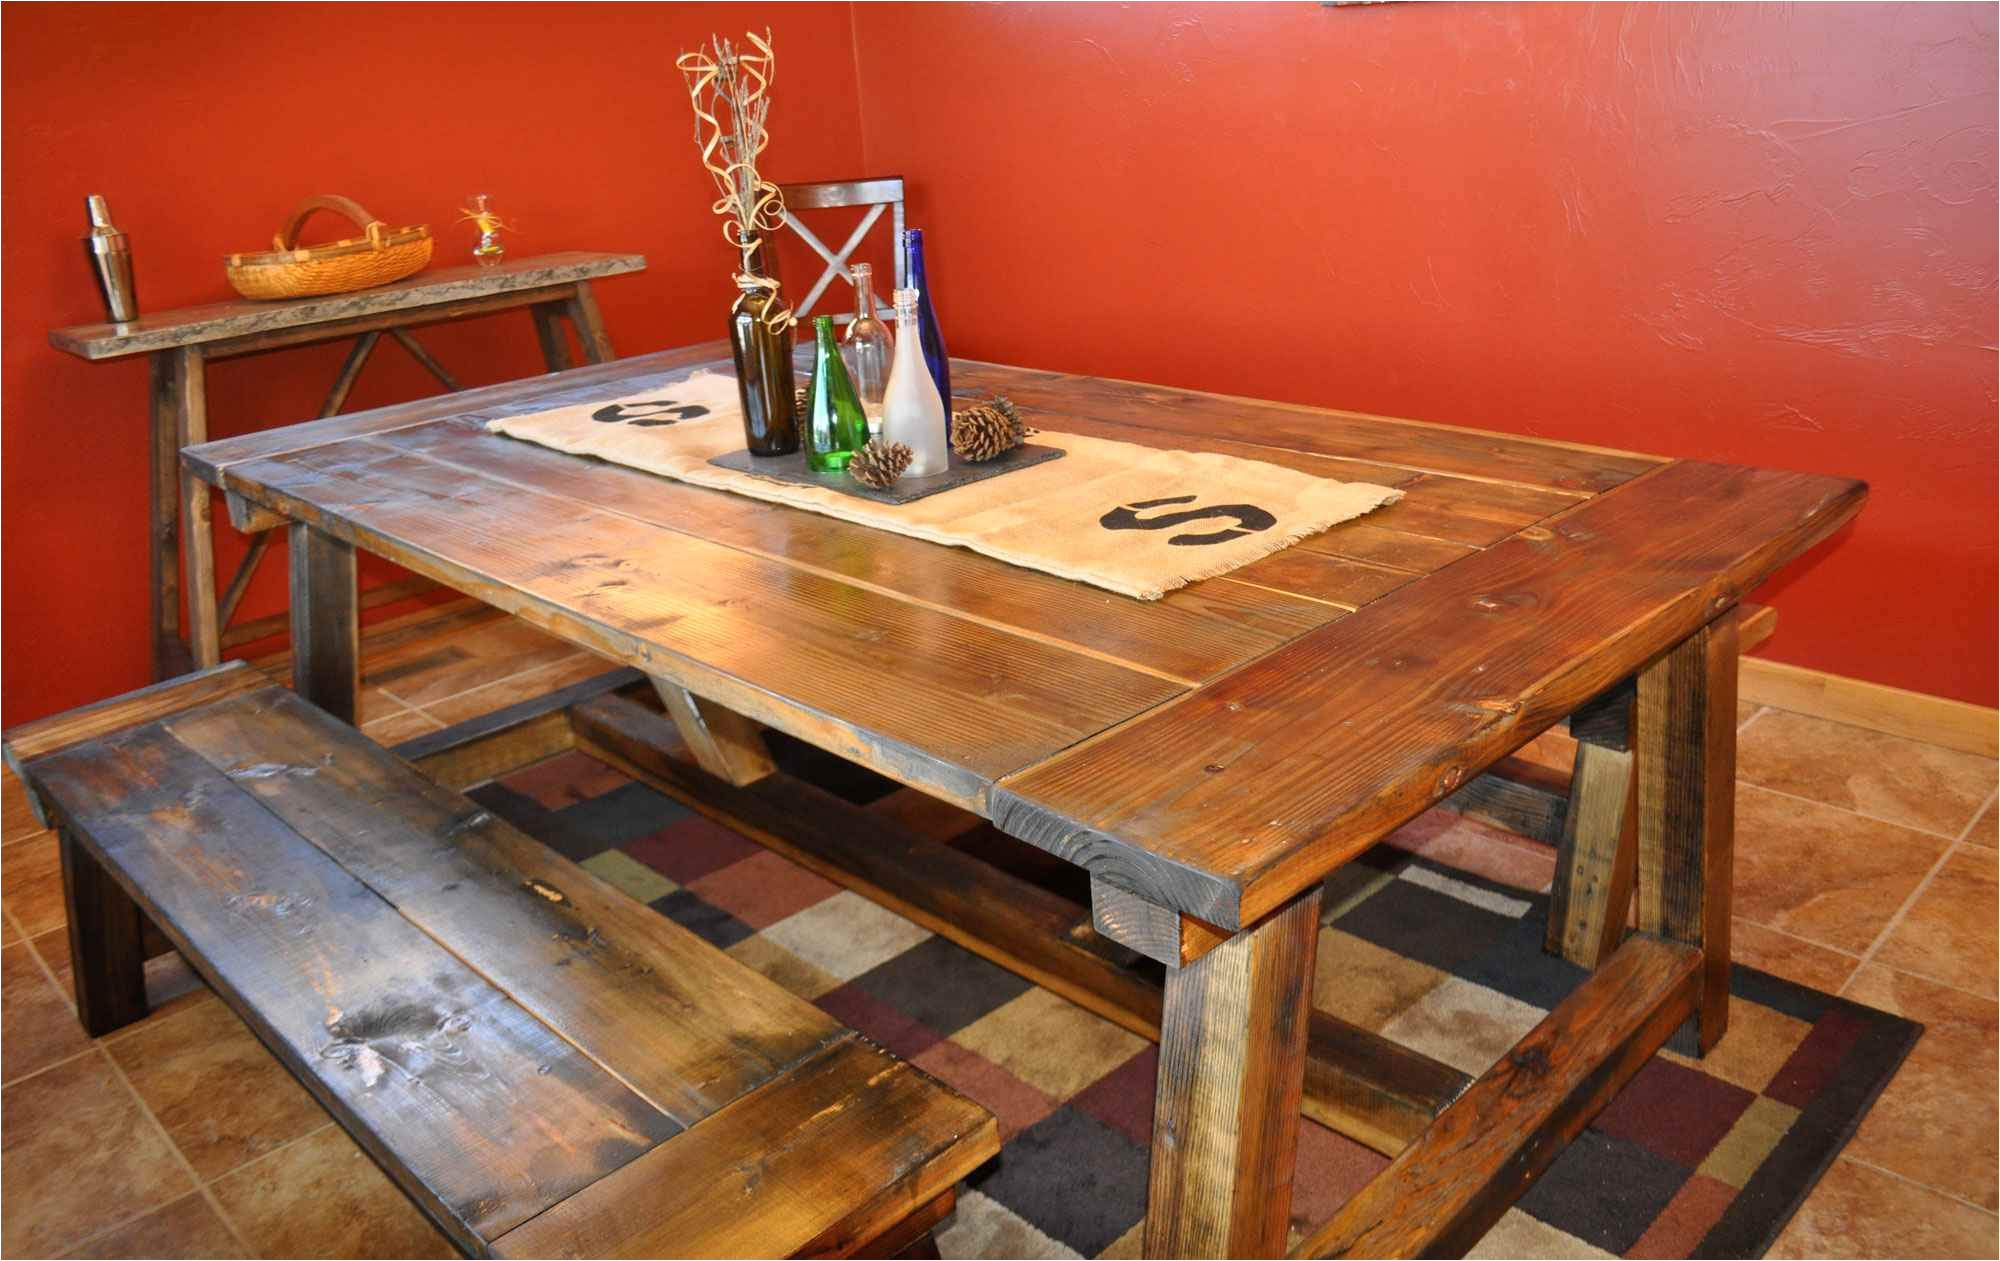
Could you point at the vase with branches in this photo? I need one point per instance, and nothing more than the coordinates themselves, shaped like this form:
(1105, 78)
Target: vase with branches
(729, 87)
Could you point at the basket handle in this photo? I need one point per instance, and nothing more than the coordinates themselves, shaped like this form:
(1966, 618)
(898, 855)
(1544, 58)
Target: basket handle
(288, 237)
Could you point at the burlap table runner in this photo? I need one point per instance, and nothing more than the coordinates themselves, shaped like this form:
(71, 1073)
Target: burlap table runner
(1127, 518)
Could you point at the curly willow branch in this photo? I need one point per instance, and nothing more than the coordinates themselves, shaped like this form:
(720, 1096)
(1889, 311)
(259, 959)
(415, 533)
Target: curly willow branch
(729, 89)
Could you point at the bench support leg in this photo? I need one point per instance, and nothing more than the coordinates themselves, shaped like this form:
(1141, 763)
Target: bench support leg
(1685, 738)
(326, 622)
(106, 942)
(724, 743)
(1232, 1073)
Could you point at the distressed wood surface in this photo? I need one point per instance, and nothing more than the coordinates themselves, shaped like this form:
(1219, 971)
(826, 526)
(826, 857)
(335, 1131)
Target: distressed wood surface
(1235, 798)
(780, 1168)
(382, 1023)
(675, 1020)
(1596, 858)
(326, 621)
(1357, 1082)
(1442, 1194)
(220, 321)
(1355, 435)
(1685, 731)
(500, 1029)
(60, 731)
(1164, 936)
(724, 743)
(1226, 1103)
(797, 651)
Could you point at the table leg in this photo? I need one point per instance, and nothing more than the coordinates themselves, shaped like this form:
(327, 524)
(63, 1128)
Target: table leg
(326, 622)
(1685, 742)
(549, 331)
(170, 655)
(196, 502)
(590, 325)
(1232, 1070)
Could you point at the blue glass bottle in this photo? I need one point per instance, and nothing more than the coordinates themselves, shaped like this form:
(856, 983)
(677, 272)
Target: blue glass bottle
(931, 339)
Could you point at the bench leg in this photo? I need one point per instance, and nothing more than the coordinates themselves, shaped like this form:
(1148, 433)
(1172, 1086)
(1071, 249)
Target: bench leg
(1685, 742)
(1232, 1074)
(106, 942)
(589, 323)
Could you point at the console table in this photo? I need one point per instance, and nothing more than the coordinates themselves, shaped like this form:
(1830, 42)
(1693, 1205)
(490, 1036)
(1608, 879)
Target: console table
(181, 343)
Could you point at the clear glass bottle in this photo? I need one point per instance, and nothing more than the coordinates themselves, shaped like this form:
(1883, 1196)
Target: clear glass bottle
(927, 322)
(836, 427)
(868, 346)
(912, 410)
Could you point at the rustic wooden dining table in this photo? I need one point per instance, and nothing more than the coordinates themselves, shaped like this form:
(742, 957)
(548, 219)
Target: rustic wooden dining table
(1208, 758)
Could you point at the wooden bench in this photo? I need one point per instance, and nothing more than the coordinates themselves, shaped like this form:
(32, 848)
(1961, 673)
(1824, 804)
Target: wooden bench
(545, 1066)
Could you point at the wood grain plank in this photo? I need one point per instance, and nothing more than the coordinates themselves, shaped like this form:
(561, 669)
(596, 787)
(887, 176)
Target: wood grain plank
(107, 951)
(1417, 445)
(1159, 934)
(1434, 506)
(505, 399)
(780, 1168)
(1591, 897)
(1442, 1194)
(935, 701)
(677, 1021)
(1240, 795)
(486, 1116)
(326, 621)
(132, 709)
(725, 743)
(186, 326)
(1684, 721)
(1184, 637)
(1226, 1106)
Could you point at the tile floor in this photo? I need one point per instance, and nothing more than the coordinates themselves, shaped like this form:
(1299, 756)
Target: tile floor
(1866, 867)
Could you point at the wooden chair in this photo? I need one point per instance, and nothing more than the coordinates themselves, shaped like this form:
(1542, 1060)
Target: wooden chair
(876, 194)
(546, 1067)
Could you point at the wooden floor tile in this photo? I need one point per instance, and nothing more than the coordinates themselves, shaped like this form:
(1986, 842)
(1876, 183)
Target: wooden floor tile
(80, 1152)
(1882, 776)
(1950, 932)
(1936, 1123)
(404, 724)
(189, 1227)
(218, 1093)
(37, 1025)
(323, 1197)
(1856, 1211)
(1822, 873)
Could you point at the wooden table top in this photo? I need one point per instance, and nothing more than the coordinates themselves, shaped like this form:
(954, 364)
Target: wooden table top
(221, 321)
(1216, 751)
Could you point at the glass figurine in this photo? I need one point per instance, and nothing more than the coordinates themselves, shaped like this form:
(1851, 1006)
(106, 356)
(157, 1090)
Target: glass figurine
(490, 225)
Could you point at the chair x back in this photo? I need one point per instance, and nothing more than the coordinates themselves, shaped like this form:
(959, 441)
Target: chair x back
(876, 194)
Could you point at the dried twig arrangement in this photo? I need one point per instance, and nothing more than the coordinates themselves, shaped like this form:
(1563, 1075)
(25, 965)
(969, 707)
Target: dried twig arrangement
(729, 88)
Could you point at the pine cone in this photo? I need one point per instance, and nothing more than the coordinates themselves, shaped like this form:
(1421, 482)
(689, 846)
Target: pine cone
(986, 430)
(880, 463)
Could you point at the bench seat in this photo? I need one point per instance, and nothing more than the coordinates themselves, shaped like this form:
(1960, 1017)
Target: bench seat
(544, 1065)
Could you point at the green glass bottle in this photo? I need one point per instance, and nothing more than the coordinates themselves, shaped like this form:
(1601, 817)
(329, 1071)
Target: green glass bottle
(836, 427)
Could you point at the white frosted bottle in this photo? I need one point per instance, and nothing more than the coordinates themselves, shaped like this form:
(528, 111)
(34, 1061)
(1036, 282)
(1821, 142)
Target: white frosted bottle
(912, 412)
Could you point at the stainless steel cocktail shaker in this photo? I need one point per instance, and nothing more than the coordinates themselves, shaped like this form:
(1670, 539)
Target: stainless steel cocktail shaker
(110, 254)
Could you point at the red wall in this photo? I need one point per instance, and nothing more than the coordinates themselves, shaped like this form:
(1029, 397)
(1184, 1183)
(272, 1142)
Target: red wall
(203, 125)
(1754, 233)
(1751, 233)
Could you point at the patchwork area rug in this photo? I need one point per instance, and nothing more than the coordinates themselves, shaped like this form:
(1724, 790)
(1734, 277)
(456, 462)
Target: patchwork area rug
(1693, 1159)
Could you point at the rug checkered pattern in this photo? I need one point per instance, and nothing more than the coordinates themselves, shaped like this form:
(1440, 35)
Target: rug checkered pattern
(1693, 1158)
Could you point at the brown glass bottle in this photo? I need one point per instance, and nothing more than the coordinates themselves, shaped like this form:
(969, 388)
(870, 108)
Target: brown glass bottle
(763, 373)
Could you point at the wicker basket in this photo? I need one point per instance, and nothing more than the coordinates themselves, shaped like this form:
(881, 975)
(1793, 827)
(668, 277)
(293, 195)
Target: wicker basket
(383, 255)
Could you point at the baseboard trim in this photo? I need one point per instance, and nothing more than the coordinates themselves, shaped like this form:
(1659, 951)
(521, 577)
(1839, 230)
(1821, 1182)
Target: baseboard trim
(1933, 719)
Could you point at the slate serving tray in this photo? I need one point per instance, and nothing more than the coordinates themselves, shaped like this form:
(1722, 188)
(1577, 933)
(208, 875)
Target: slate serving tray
(794, 469)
